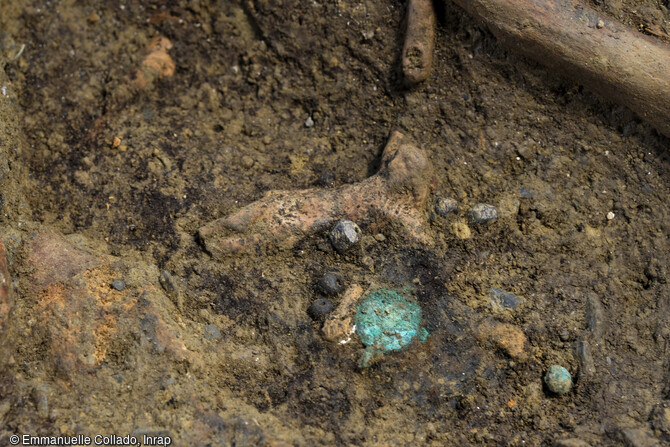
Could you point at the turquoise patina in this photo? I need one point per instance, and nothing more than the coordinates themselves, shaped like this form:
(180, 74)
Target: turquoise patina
(387, 321)
(558, 380)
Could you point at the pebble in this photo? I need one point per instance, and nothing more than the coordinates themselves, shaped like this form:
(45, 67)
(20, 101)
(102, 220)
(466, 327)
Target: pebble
(380, 237)
(461, 230)
(93, 18)
(445, 205)
(564, 335)
(212, 332)
(320, 309)
(119, 284)
(247, 162)
(558, 380)
(508, 338)
(502, 300)
(309, 122)
(482, 213)
(344, 235)
(331, 283)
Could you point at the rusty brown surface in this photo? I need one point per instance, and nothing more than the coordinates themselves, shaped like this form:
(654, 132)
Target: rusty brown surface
(79, 319)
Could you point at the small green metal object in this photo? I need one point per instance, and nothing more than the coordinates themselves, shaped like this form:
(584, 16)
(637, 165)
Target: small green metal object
(558, 380)
(386, 321)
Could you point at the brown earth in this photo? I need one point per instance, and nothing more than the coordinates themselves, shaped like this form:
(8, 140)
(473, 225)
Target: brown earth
(126, 127)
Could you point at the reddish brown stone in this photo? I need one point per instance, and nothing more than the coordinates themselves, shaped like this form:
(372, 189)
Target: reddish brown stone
(506, 337)
(157, 63)
(76, 317)
(52, 259)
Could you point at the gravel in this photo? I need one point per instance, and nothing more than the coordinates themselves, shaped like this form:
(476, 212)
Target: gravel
(445, 205)
(502, 300)
(119, 284)
(482, 213)
(344, 235)
(212, 332)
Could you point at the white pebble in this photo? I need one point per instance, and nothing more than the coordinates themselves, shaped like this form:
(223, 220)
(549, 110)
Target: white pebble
(610, 215)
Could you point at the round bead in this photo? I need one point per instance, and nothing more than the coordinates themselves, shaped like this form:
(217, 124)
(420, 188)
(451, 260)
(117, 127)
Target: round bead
(558, 380)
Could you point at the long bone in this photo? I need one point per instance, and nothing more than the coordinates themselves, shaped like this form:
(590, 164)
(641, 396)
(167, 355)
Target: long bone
(397, 192)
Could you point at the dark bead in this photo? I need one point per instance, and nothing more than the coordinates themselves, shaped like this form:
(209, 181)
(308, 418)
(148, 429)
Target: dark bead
(320, 308)
(331, 284)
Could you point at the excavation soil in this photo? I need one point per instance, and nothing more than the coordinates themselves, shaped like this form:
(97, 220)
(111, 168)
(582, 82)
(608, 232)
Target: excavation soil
(109, 178)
